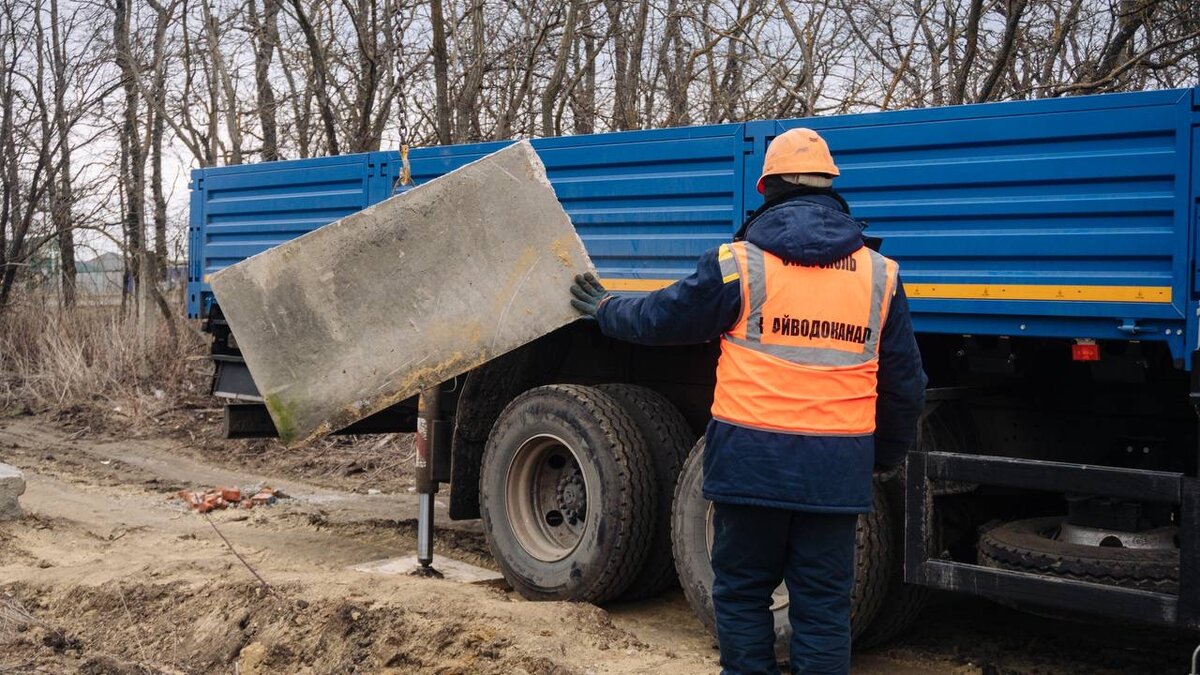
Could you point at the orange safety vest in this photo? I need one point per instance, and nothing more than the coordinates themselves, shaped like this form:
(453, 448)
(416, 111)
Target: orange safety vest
(803, 357)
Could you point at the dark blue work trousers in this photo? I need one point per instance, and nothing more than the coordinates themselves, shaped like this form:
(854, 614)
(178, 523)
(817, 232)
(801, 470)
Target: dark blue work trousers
(754, 549)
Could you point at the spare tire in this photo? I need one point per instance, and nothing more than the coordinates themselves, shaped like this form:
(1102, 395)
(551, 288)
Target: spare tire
(1030, 546)
(691, 535)
(668, 440)
(566, 494)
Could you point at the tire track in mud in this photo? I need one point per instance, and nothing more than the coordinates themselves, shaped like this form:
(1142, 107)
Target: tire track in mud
(122, 580)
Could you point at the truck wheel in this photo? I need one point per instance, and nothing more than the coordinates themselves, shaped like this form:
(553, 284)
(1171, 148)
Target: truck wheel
(691, 535)
(668, 439)
(1030, 546)
(901, 603)
(566, 494)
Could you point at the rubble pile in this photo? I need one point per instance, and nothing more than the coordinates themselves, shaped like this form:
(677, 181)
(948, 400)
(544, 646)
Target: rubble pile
(212, 499)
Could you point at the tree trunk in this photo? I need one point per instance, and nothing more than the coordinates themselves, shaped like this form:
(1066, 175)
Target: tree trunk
(233, 125)
(63, 199)
(1016, 8)
(265, 35)
(9, 179)
(441, 75)
(1131, 15)
(22, 214)
(627, 62)
(300, 100)
(674, 62)
(554, 84)
(157, 129)
(583, 107)
(320, 76)
(959, 94)
(135, 180)
(364, 21)
(504, 127)
(466, 117)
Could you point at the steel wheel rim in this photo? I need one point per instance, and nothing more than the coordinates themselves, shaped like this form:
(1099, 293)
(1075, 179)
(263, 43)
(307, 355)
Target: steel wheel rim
(546, 495)
(779, 597)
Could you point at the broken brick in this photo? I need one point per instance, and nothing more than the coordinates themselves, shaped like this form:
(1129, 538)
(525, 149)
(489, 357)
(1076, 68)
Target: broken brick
(211, 499)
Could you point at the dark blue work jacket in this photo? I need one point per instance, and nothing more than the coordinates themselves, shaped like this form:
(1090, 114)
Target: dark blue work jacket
(791, 471)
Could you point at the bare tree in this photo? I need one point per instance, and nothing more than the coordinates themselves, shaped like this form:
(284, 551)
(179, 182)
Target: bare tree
(264, 32)
(229, 81)
(158, 97)
(628, 47)
(441, 71)
(22, 199)
(320, 74)
(554, 84)
(133, 174)
(61, 193)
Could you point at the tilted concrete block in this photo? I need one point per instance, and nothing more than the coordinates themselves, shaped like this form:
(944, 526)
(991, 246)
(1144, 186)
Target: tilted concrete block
(367, 311)
(12, 486)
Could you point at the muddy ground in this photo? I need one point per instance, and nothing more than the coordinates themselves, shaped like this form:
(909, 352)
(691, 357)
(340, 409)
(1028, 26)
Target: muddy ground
(108, 574)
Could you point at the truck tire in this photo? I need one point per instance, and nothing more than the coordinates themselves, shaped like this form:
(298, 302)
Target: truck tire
(948, 429)
(691, 520)
(901, 603)
(566, 494)
(1027, 546)
(668, 439)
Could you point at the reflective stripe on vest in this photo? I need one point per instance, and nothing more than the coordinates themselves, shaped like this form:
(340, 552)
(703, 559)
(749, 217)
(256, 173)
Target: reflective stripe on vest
(803, 355)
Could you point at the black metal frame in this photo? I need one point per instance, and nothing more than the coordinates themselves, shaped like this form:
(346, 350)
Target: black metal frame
(922, 566)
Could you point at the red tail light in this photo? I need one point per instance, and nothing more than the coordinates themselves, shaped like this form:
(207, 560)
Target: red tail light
(1085, 350)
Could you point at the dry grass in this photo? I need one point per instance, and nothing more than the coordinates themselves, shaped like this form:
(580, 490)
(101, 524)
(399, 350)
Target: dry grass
(355, 463)
(13, 616)
(92, 359)
(87, 368)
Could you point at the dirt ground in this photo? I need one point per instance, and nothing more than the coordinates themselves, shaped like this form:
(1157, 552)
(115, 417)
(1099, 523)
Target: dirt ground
(108, 574)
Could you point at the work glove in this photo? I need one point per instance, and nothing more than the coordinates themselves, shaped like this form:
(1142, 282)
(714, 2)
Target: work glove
(588, 294)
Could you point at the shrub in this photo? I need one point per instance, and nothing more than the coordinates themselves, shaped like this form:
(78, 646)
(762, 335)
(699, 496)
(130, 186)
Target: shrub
(95, 358)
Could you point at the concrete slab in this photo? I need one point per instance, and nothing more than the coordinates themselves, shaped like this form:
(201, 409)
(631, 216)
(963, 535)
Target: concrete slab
(12, 486)
(449, 568)
(368, 310)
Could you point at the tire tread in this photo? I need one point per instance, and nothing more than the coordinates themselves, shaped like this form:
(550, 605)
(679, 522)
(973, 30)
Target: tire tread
(1017, 545)
(632, 521)
(668, 440)
(902, 603)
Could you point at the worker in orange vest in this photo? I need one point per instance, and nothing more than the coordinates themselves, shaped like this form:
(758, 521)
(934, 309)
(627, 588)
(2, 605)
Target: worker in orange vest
(819, 382)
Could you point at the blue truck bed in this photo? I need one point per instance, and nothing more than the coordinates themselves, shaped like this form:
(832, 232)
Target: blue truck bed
(1069, 218)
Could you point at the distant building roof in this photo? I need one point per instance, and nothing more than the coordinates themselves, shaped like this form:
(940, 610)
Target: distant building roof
(105, 262)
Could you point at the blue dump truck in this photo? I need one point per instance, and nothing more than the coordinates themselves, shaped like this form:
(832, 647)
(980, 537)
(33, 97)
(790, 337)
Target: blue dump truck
(1049, 249)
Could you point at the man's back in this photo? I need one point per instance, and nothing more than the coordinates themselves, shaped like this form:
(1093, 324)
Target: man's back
(819, 381)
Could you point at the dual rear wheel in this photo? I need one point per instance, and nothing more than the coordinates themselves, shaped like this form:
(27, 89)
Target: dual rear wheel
(593, 494)
(575, 491)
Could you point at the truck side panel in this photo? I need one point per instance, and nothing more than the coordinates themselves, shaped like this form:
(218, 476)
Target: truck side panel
(1193, 316)
(1060, 218)
(239, 211)
(646, 203)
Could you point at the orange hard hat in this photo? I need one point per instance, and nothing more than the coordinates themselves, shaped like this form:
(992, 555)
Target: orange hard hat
(798, 151)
